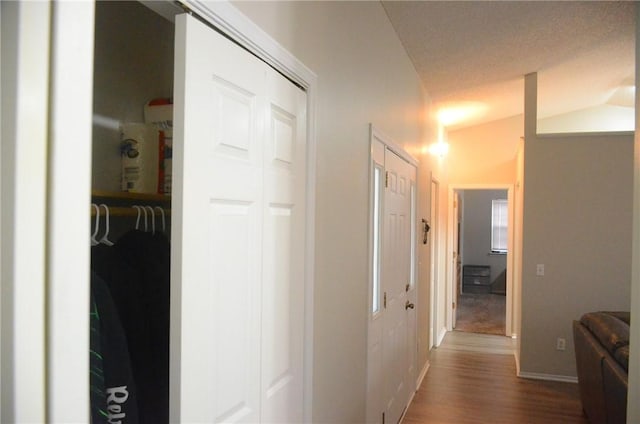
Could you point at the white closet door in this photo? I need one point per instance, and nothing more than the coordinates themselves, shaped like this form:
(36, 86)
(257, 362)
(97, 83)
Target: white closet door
(238, 259)
(283, 251)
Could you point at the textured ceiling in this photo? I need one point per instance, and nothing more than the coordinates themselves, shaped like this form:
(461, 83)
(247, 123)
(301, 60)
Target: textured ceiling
(476, 53)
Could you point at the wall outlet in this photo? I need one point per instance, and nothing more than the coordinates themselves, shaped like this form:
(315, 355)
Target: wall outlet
(561, 344)
(540, 270)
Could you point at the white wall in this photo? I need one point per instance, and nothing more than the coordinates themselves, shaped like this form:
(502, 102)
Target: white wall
(490, 155)
(485, 154)
(133, 64)
(600, 118)
(364, 75)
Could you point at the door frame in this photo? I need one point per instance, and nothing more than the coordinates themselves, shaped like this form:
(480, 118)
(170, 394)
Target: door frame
(47, 178)
(435, 335)
(65, 285)
(509, 321)
(374, 397)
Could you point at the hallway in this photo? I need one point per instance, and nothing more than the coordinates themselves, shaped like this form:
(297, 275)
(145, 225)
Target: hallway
(481, 313)
(472, 379)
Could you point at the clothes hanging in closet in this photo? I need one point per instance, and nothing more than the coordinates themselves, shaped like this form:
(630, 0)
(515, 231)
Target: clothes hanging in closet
(136, 270)
(112, 388)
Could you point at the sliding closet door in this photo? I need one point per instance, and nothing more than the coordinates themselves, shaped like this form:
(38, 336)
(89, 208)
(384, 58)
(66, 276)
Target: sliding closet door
(238, 260)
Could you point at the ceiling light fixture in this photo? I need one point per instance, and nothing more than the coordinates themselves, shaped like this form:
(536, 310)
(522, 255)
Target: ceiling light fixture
(440, 148)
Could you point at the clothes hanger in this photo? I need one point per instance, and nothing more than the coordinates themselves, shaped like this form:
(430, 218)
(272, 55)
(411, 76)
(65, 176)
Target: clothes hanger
(162, 215)
(144, 211)
(95, 242)
(153, 218)
(136, 207)
(105, 237)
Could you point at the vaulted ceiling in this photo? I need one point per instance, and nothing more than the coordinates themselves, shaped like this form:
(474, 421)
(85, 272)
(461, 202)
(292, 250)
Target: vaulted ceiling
(474, 54)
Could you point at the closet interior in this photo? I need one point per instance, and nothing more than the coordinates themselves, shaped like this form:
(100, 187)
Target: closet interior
(131, 214)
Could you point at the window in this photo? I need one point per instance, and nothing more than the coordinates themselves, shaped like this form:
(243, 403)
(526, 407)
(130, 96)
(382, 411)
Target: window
(412, 270)
(499, 222)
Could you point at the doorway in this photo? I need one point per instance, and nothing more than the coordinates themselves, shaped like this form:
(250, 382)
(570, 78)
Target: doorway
(392, 341)
(435, 323)
(480, 274)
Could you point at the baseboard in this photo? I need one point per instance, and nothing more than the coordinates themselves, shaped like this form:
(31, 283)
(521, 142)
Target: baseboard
(441, 334)
(422, 375)
(548, 377)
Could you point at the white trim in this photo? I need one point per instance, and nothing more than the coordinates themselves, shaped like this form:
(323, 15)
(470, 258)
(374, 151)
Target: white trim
(25, 96)
(68, 230)
(443, 332)
(422, 375)
(548, 377)
(230, 21)
(434, 260)
(376, 134)
(233, 23)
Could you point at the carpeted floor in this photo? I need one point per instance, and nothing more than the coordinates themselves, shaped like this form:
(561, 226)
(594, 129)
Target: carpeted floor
(481, 313)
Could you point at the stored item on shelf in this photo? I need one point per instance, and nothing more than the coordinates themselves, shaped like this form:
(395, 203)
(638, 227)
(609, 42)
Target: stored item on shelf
(159, 112)
(166, 140)
(139, 153)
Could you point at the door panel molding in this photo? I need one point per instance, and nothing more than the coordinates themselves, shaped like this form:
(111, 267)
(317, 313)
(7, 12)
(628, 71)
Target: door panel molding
(231, 22)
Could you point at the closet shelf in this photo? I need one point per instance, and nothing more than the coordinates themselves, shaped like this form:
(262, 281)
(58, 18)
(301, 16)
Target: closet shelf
(127, 211)
(124, 195)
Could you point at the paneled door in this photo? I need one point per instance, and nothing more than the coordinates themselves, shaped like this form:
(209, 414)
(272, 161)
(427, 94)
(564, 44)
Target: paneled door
(237, 300)
(398, 302)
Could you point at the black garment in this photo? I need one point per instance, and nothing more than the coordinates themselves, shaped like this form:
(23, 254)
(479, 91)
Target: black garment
(113, 390)
(150, 256)
(97, 392)
(136, 270)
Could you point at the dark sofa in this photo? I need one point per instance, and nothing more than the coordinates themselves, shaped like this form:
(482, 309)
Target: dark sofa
(602, 360)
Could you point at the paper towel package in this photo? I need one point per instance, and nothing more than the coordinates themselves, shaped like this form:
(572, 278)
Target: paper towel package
(159, 112)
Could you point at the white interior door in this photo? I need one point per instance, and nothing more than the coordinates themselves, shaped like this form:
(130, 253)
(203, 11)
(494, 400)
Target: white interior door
(396, 277)
(237, 300)
(457, 264)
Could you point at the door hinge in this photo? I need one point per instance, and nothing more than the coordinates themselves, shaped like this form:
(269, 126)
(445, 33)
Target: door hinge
(386, 179)
(384, 301)
(453, 305)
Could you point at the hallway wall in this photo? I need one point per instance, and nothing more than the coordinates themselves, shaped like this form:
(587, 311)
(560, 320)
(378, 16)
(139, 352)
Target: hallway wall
(577, 218)
(364, 76)
(485, 154)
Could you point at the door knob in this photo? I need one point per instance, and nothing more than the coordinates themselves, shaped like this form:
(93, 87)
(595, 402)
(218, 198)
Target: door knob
(408, 305)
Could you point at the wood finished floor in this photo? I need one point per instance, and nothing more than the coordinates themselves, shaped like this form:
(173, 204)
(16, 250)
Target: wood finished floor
(472, 379)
